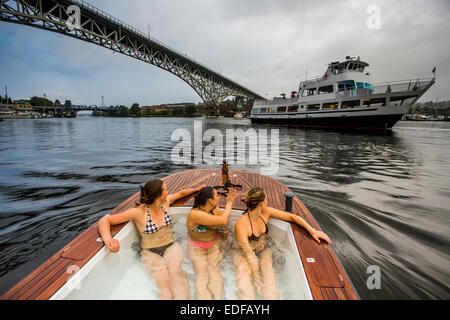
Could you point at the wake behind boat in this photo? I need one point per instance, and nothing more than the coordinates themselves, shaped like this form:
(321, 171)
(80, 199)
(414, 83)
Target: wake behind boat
(85, 269)
(344, 98)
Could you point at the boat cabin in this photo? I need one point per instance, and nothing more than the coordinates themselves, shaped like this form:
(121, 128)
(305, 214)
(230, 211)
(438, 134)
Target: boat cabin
(339, 76)
(350, 65)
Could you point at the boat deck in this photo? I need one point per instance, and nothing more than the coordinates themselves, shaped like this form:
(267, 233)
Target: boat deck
(326, 276)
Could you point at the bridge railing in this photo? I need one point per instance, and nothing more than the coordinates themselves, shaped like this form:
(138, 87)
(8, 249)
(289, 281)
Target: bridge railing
(84, 4)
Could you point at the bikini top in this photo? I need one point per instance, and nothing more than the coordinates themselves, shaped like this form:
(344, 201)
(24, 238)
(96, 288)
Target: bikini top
(253, 237)
(202, 228)
(150, 226)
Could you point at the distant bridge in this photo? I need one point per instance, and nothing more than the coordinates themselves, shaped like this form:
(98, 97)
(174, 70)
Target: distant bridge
(69, 106)
(97, 27)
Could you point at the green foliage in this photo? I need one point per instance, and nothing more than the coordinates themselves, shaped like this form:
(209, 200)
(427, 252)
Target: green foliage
(124, 112)
(40, 102)
(135, 111)
(190, 110)
(177, 111)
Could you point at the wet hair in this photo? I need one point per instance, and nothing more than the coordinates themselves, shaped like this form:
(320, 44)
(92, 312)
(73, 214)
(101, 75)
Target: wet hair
(202, 196)
(152, 190)
(254, 197)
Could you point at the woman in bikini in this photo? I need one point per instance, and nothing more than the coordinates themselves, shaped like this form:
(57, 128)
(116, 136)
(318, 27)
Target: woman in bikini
(204, 245)
(160, 252)
(253, 257)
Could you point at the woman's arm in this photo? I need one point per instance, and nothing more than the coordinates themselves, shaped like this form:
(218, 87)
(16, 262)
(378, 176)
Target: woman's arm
(206, 219)
(104, 228)
(289, 217)
(242, 238)
(171, 198)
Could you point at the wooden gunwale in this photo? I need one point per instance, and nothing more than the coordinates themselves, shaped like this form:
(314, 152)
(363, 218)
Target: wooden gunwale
(326, 275)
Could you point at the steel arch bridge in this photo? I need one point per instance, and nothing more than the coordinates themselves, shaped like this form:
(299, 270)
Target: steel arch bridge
(97, 27)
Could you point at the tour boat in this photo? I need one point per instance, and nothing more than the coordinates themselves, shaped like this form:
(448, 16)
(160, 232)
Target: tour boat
(345, 97)
(85, 269)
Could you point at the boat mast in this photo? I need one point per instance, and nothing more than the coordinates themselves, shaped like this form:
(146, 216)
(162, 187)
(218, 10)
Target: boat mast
(6, 97)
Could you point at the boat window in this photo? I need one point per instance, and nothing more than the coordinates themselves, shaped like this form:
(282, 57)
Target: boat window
(281, 109)
(263, 110)
(350, 104)
(313, 107)
(350, 66)
(326, 89)
(255, 110)
(305, 93)
(271, 110)
(311, 91)
(293, 109)
(378, 102)
(360, 85)
(346, 85)
(330, 106)
(336, 69)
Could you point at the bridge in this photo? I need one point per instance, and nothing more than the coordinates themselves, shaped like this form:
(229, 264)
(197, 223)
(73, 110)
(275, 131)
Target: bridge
(80, 20)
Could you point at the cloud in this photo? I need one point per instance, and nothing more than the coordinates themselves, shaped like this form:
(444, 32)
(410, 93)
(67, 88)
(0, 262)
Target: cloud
(265, 45)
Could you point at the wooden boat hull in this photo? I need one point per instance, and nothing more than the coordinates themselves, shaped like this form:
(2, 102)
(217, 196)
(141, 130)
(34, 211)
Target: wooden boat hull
(326, 278)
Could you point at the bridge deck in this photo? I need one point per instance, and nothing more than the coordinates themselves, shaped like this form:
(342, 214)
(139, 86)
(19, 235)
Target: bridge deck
(327, 278)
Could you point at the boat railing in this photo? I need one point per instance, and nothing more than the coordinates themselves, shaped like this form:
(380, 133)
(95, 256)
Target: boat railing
(402, 86)
(388, 87)
(313, 80)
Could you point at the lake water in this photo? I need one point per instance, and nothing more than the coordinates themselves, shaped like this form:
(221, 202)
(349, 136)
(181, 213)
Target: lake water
(383, 199)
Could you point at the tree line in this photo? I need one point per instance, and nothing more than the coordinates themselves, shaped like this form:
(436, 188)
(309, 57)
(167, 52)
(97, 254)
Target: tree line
(135, 111)
(429, 108)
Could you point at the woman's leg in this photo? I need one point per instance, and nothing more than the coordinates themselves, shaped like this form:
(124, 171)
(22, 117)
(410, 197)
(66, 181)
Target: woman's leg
(156, 267)
(200, 261)
(174, 257)
(215, 255)
(245, 289)
(269, 290)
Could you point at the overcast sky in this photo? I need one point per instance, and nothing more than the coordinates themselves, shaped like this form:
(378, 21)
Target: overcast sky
(265, 45)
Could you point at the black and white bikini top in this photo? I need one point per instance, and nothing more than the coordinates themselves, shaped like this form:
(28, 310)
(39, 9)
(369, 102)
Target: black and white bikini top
(150, 226)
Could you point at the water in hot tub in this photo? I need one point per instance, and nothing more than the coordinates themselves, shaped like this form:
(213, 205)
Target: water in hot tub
(124, 276)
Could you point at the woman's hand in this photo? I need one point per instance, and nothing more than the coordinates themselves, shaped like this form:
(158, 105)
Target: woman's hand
(113, 245)
(317, 235)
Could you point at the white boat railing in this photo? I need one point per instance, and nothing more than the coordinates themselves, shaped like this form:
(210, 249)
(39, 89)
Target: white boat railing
(388, 87)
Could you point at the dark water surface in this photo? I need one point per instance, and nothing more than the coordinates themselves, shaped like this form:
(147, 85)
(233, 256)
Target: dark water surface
(384, 200)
